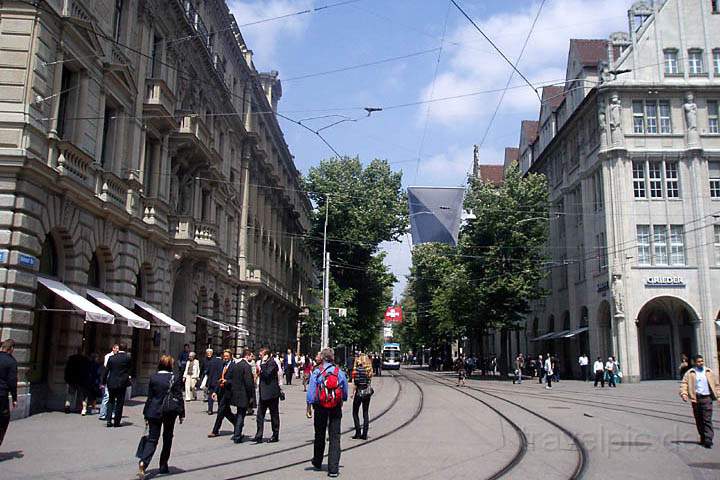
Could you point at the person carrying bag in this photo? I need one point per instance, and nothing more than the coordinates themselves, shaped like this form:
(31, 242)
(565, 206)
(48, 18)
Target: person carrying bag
(363, 391)
(164, 404)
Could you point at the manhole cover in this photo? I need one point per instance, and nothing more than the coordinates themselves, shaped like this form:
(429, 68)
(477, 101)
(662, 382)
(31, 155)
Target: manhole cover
(632, 444)
(709, 466)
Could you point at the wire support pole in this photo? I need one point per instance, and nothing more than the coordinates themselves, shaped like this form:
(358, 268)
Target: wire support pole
(325, 333)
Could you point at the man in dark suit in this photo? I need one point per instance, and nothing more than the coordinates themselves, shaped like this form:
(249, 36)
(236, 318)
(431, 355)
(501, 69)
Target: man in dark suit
(8, 384)
(269, 395)
(117, 379)
(213, 370)
(242, 391)
(289, 362)
(223, 395)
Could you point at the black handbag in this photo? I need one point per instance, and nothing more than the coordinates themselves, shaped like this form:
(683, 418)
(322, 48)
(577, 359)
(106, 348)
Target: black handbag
(366, 392)
(141, 445)
(282, 396)
(172, 403)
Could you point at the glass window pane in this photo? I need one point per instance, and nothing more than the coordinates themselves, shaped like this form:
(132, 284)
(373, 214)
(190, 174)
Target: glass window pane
(643, 243)
(717, 244)
(639, 179)
(660, 250)
(638, 117)
(655, 179)
(651, 117)
(665, 124)
(677, 245)
(671, 180)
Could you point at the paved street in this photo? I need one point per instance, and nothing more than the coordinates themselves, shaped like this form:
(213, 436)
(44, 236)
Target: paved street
(423, 428)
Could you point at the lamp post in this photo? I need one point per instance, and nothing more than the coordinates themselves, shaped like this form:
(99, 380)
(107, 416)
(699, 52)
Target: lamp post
(325, 332)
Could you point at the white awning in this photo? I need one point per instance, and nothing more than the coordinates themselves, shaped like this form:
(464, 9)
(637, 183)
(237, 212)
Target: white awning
(577, 331)
(543, 337)
(559, 335)
(175, 327)
(120, 312)
(224, 327)
(92, 312)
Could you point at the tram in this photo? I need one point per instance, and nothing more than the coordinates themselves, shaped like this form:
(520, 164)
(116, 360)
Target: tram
(391, 356)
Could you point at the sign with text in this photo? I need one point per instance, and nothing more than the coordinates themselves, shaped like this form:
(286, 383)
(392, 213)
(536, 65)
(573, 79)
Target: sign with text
(664, 281)
(393, 314)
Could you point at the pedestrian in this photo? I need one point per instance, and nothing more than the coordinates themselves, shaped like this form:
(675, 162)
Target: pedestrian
(549, 371)
(213, 370)
(223, 396)
(684, 365)
(77, 378)
(106, 391)
(555, 368)
(362, 392)
(8, 384)
(183, 357)
(307, 370)
(253, 400)
(269, 391)
(163, 406)
(328, 390)
(583, 362)
(190, 376)
(611, 368)
(299, 365)
(700, 387)
(289, 364)
(599, 370)
(96, 372)
(541, 369)
(242, 391)
(117, 379)
(493, 365)
(459, 367)
(519, 365)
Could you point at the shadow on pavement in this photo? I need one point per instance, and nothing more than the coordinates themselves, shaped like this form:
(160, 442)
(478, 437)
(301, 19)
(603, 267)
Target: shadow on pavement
(10, 455)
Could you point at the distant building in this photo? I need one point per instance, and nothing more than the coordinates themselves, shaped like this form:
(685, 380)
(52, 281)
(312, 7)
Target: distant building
(630, 145)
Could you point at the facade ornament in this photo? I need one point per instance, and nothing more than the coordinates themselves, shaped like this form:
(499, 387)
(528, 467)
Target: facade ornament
(616, 134)
(690, 108)
(617, 293)
(602, 123)
(605, 74)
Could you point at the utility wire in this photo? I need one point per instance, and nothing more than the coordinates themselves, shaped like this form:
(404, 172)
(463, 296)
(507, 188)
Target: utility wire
(495, 47)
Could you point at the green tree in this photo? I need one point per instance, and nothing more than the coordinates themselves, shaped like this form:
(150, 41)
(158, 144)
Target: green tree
(366, 206)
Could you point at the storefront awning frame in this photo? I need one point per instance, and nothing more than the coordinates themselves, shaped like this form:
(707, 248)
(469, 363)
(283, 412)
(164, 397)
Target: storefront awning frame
(82, 305)
(133, 319)
(225, 327)
(164, 320)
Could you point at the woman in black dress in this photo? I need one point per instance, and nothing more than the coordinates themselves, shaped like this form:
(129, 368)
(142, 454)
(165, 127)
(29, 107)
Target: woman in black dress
(158, 415)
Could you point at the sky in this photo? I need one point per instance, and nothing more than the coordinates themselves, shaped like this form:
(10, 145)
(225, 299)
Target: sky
(423, 51)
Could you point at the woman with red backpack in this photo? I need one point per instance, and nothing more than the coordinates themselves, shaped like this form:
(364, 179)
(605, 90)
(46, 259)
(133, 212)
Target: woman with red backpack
(327, 391)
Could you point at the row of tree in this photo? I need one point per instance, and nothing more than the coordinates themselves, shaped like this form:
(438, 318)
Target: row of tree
(365, 206)
(487, 281)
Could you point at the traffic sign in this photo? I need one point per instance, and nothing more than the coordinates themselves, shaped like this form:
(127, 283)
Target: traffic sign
(393, 314)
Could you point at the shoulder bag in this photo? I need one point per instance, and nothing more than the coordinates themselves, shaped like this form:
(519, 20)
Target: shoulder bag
(172, 402)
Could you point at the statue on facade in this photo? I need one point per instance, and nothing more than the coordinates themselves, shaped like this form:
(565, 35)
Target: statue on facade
(602, 124)
(617, 286)
(185, 194)
(174, 188)
(615, 120)
(690, 108)
(605, 74)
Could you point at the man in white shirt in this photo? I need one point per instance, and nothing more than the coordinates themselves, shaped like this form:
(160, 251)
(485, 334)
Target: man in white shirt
(599, 370)
(583, 362)
(548, 371)
(700, 387)
(106, 392)
(611, 368)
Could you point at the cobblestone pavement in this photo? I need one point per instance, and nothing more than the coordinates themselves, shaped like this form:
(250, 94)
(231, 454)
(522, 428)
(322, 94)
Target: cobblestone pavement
(423, 427)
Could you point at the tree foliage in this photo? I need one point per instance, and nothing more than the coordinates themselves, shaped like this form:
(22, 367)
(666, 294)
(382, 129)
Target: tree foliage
(366, 206)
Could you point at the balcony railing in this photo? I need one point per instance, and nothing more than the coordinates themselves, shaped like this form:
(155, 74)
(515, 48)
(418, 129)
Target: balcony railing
(206, 233)
(186, 228)
(110, 188)
(159, 103)
(75, 163)
(193, 126)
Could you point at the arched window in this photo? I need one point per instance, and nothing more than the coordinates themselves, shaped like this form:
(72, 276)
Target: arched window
(49, 257)
(140, 285)
(535, 327)
(94, 273)
(551, 323)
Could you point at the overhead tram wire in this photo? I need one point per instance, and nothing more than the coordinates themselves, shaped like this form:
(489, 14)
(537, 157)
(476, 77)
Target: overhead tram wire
(454, 2)
(512, 74)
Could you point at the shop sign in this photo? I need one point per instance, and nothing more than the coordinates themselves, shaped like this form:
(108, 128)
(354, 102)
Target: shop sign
(26, 260)
(664, 281)
(603, 286)
(3, 256)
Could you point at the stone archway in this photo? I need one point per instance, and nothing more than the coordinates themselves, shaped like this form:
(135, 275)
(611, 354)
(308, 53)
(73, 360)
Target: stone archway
(604, 323)
(666, 329)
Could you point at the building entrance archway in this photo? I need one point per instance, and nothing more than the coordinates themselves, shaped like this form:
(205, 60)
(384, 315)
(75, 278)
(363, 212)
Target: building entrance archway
(665, 331)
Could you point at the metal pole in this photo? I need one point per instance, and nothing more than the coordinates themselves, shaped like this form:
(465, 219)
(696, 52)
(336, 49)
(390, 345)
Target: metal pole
(326, 304)
(324, 340)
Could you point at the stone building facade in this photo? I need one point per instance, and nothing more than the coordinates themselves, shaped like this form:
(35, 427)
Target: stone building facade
(630, 145)
(140, 157)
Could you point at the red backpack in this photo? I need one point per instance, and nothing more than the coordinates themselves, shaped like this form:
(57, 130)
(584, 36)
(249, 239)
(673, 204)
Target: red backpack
(328, 388)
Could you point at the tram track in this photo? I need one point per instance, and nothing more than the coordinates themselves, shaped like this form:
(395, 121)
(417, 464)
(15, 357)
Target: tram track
(374, 439)
(582, 454)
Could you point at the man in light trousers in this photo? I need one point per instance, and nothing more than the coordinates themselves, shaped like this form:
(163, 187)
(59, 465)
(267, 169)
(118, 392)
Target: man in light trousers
(106, 391)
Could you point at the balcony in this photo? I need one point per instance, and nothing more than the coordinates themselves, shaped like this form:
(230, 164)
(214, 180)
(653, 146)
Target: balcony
(206, 233)
(186, 229)
(75, 163)
(159, 105)
(192, 133)
(259, 277)
(111, 189)
(155, 213)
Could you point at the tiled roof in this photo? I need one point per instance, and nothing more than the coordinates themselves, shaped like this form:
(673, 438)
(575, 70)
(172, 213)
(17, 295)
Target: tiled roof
(553, 95)
(590, 51)
(491, 173)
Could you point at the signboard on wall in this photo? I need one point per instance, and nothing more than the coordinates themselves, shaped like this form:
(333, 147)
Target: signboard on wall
(665, 281)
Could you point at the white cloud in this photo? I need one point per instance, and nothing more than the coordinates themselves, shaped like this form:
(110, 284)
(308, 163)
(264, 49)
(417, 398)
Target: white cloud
(264, 38)
(471, 65)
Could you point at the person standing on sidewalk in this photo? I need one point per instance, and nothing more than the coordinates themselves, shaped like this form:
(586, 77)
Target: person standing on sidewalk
(701, 388)
(541, 368)
(599, 370)
(583, 362)
(361, 376)
(8, 384)
(223, 395)
(519, 365)
(269, 386)
(328, 390)
(117, 379)
(459, 368)
(290, 363)
(160, 413)
(190, 376)
(549, 371)
(106, 390)
(213, 370)
(611, 369)
(77, 378)
(242, 390)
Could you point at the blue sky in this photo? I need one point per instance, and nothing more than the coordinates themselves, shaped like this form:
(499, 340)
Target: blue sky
(430, 147)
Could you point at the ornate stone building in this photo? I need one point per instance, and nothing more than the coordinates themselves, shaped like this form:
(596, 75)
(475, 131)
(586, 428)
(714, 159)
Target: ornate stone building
(631, 149)
(146, 190)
